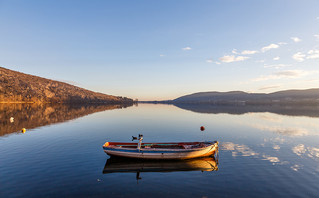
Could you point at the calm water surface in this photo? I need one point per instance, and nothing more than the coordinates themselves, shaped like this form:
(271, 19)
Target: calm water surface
(262, 154)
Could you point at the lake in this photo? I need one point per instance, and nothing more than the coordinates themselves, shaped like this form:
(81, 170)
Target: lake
(264, 151)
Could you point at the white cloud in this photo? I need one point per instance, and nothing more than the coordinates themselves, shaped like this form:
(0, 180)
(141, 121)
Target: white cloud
(282, 43)
(313, 54)
(162, 55)
(269, 87)
(232, 58)
(276, 58)
(209, 61)
(295, 39)
(269, 47)
(218, 63)
(246, 52)
(316, 36)
(282, 74)
(291, 73)
(186, 48)
(299, 56)
(276, 66)
(234, 51)
(309, 81)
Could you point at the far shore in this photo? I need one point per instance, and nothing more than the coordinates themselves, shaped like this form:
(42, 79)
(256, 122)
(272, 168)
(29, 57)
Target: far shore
(105, 103)
(19, 103)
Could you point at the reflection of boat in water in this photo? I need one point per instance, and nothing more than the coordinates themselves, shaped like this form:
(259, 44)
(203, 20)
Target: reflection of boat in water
(118, 164)
(173, 150)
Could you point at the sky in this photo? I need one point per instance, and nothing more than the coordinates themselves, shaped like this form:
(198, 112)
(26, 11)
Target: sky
(160, 50)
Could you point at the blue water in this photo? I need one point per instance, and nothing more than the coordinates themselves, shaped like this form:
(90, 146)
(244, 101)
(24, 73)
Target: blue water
(261, 154)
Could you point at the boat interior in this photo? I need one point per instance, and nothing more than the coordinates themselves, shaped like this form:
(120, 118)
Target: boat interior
(182, 145)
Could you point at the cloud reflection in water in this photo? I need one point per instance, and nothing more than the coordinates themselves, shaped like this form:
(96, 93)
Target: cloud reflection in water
(301, 149)
(236, 149)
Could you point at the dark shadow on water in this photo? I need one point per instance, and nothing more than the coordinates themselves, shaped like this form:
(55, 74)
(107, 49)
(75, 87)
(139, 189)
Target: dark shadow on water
(127, 165)
(14, 117)
(290, 110)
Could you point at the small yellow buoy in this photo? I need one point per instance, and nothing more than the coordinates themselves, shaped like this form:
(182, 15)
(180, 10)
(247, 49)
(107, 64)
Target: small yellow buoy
(23, 130)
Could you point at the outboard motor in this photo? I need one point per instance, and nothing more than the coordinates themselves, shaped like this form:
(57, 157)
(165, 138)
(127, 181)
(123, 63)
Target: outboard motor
(140, 138)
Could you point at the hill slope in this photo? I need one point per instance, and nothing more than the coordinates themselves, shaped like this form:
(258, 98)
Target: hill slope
(20, 87)
(308, 96)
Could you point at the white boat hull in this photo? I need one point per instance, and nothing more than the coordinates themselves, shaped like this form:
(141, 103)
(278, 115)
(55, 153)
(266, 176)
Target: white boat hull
(163, 153)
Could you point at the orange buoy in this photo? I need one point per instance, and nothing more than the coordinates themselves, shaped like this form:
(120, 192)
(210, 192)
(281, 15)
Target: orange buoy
(202, 128)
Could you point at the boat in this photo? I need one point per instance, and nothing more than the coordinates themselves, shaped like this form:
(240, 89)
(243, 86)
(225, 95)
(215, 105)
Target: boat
(171, 150)
(126, 165)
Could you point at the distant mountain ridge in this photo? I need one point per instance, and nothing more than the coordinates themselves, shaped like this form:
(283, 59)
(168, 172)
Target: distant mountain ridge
(307, 96)
(19, 87)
